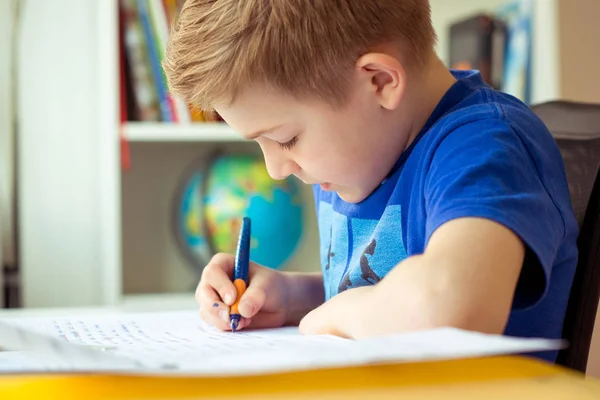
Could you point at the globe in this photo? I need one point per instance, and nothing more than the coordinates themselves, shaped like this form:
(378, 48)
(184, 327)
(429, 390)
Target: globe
(190, 225)
(238, 186)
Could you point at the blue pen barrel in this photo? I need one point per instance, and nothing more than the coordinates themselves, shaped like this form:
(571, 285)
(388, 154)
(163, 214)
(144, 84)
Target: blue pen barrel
(242, 258)
(240, 270)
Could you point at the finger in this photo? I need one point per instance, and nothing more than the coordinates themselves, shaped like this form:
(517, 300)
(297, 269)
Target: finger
(221, 320)
(244, 323)
(252, 301)
(225, 260)
(207, 297)
(217, 274)
(217, 318)
(211, 304)
(255, 296)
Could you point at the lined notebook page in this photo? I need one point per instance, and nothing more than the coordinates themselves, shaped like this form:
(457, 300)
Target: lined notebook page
(181, 343)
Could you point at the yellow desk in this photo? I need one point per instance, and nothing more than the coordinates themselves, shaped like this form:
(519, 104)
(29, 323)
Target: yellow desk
(486, 378)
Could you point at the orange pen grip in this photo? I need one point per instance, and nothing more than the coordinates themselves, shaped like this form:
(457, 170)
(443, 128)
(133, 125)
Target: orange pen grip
(240, 285)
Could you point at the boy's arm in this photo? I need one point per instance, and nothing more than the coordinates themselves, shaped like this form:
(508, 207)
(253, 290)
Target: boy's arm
(466, 278)
(468, 273)
(306, 292)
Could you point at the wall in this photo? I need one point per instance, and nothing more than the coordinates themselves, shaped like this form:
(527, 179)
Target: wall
(580, 50)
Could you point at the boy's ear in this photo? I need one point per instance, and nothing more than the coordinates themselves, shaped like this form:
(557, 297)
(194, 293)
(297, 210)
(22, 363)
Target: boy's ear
(385, 76)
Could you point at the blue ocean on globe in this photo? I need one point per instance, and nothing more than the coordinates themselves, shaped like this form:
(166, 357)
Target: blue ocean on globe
(276, 227)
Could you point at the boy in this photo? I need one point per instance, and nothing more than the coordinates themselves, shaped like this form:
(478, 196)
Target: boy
(440, 201)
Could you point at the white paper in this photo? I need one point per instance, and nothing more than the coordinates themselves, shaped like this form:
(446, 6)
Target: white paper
(181, 343)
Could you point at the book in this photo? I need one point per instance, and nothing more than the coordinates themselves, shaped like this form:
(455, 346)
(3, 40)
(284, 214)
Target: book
(146, 26)
(153, 51)
(160, 24)
(136, 58)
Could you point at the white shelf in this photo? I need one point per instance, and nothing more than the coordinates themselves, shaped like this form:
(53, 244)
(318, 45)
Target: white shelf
(172, 132)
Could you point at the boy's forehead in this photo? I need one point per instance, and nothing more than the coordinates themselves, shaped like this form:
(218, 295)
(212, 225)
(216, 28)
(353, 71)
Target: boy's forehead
(248, 123)
(253, 121)
(256, 112)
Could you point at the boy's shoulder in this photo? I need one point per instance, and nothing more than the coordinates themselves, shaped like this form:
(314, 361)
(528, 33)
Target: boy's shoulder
(477, 126)
(471, 104)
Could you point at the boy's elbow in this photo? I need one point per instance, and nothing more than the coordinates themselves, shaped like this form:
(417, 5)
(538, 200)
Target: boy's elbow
(477, 323)
(445, 308)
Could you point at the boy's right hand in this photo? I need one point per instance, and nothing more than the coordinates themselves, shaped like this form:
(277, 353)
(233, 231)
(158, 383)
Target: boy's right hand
(265, 303)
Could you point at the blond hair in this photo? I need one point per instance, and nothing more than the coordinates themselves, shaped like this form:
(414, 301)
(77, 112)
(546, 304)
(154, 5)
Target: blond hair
(299, 47)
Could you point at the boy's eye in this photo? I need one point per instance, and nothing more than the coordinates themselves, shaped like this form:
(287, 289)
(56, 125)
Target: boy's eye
(289, 144)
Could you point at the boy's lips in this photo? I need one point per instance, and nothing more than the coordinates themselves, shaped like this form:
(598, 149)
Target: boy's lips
(323, 185)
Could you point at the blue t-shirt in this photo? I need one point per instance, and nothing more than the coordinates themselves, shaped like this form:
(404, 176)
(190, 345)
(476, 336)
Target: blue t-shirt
(482, 153)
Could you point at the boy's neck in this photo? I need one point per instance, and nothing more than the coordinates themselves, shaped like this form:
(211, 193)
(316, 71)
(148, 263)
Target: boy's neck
(423, 94)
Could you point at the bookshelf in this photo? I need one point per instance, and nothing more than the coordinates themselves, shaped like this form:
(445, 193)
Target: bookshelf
(93, 234)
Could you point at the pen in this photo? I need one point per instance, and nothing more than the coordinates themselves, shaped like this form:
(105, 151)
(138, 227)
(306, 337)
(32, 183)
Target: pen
(240, 271)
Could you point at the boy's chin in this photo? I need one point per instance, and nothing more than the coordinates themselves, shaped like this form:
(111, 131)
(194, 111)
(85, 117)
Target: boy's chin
(350, 195)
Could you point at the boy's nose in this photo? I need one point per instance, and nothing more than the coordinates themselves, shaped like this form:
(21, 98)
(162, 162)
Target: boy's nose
(280, 168)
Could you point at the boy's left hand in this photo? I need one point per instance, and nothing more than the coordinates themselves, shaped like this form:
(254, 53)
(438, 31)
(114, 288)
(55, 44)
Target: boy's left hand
(345, 315)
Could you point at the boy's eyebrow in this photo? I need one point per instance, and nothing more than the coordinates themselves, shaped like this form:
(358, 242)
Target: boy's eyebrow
(256, 134)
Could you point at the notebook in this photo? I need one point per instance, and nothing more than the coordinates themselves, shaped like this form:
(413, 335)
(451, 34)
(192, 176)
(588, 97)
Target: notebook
(181, 343)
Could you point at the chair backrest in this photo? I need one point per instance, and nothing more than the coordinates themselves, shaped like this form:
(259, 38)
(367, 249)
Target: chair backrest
(576, 129)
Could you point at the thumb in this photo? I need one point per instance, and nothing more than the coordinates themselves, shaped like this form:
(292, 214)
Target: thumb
(311, 324)
(254, 298)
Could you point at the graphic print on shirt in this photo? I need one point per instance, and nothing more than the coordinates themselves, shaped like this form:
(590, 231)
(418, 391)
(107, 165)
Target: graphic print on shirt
(358, 252)
(333, 240)
(366, 272)
(329, 252)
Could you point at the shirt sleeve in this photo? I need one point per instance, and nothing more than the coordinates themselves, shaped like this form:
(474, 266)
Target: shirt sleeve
(483, 169)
